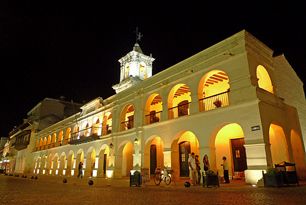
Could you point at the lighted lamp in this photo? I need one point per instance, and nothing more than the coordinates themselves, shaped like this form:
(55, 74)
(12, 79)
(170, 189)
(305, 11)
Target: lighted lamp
(109, 173)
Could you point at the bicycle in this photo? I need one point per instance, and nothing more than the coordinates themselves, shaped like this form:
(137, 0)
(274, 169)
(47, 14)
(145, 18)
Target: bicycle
(162, 175)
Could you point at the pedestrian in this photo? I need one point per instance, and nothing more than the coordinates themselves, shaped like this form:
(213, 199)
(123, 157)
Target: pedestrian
(206, 163)
(193, 168)
(197, 161)
(225, 170)
(80, 170)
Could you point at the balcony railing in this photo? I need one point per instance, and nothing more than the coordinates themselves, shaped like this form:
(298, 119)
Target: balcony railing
(126, 125)
(178, 111)
(77, 139)
(214, 101)
(153, 117)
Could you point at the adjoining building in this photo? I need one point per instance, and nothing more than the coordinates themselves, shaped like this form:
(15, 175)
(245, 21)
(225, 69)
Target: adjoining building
(18, 152)
(233, 99)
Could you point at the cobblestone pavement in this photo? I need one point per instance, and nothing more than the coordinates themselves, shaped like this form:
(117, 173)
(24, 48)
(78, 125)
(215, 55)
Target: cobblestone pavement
(17, 190)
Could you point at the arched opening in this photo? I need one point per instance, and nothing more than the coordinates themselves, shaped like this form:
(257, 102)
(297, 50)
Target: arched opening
(179, 99)
(80, 158)
(127, 159)
(60, 137)
(87, 130)
(229, 143)
(43, 165)
(41, 142)
(70, 165)
(37, 164)
(96, 128)
(54, 165)
(298, 154)
(184, 144)
(154, 154)
(278, 144)
(264, 80)
(127, 118)
(49, 140)
(107, 123)
(67, 135)
(76, 133)
(103, 160)
(153, 109)
(53, 141)
(90, 162)
(62, 170)
(213, 90)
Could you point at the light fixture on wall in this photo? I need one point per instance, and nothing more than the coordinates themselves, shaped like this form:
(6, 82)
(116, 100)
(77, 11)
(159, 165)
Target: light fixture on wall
(111, 145)
(136, 140)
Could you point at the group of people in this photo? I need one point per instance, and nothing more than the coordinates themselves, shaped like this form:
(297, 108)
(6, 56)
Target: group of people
(195, 168)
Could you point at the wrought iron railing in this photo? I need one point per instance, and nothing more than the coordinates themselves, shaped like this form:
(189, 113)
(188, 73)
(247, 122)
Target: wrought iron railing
(126, 125)
(214, 101)
(153, 117)
(178, 111)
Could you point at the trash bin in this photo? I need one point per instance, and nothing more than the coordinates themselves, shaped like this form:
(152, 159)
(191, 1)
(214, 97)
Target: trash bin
(135, 179)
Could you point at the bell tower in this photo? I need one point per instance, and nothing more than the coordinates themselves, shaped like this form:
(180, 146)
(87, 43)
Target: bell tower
(134, 67)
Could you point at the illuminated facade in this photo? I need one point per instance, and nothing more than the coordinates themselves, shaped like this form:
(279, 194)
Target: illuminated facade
(233, 99)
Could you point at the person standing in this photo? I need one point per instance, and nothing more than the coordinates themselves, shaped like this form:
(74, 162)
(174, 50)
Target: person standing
(197, 161)
(225, 170)
(206, 163)
(80, 170)
(193, 168)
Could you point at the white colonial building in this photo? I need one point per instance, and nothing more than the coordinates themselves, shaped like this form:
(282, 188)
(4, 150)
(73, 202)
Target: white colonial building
(233, 99)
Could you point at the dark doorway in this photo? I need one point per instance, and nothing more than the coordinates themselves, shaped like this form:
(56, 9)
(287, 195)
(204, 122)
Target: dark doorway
(184, 150)
(104, 163)
(153, 160)
(239, 156)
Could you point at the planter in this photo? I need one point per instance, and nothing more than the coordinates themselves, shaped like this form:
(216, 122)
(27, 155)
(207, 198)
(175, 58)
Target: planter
(275, 180)
(211, 180)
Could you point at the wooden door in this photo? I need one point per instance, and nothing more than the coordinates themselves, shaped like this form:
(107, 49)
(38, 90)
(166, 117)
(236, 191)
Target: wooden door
(239, 155)
(153, 159)
(104, 163)
(184, 150)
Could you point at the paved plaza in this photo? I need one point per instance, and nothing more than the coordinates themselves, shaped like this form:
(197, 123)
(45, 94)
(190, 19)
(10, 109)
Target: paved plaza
(52, 190)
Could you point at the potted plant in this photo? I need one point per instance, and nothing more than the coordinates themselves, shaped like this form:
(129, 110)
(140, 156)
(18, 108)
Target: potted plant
(218, 103)
(273, 178)
(211, 179)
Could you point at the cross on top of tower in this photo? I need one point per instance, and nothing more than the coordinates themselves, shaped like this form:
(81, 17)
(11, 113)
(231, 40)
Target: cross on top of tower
(138, 35)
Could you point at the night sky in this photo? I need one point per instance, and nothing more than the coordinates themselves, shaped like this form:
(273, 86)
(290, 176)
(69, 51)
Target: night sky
(72, 50)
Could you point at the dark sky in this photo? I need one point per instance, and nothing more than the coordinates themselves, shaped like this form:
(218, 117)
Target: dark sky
(72, 50)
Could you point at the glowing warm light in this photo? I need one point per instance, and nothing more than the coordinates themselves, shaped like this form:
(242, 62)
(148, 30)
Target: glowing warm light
(252, 176)
(50, 172)
(222, 143)
(264, 80)
(167, 158)
(96, 162)
(94, 173)
(109, 173)
(56, 172)
(44, 171)
(34, 171)
(72, 172)
(277, 139)
(64, 172)
(38, 171)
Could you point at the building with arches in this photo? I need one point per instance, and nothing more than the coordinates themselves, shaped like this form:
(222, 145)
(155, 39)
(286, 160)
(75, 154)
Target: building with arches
(233, 99)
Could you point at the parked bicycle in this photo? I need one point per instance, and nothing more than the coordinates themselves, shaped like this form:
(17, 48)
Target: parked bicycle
(162, 175)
